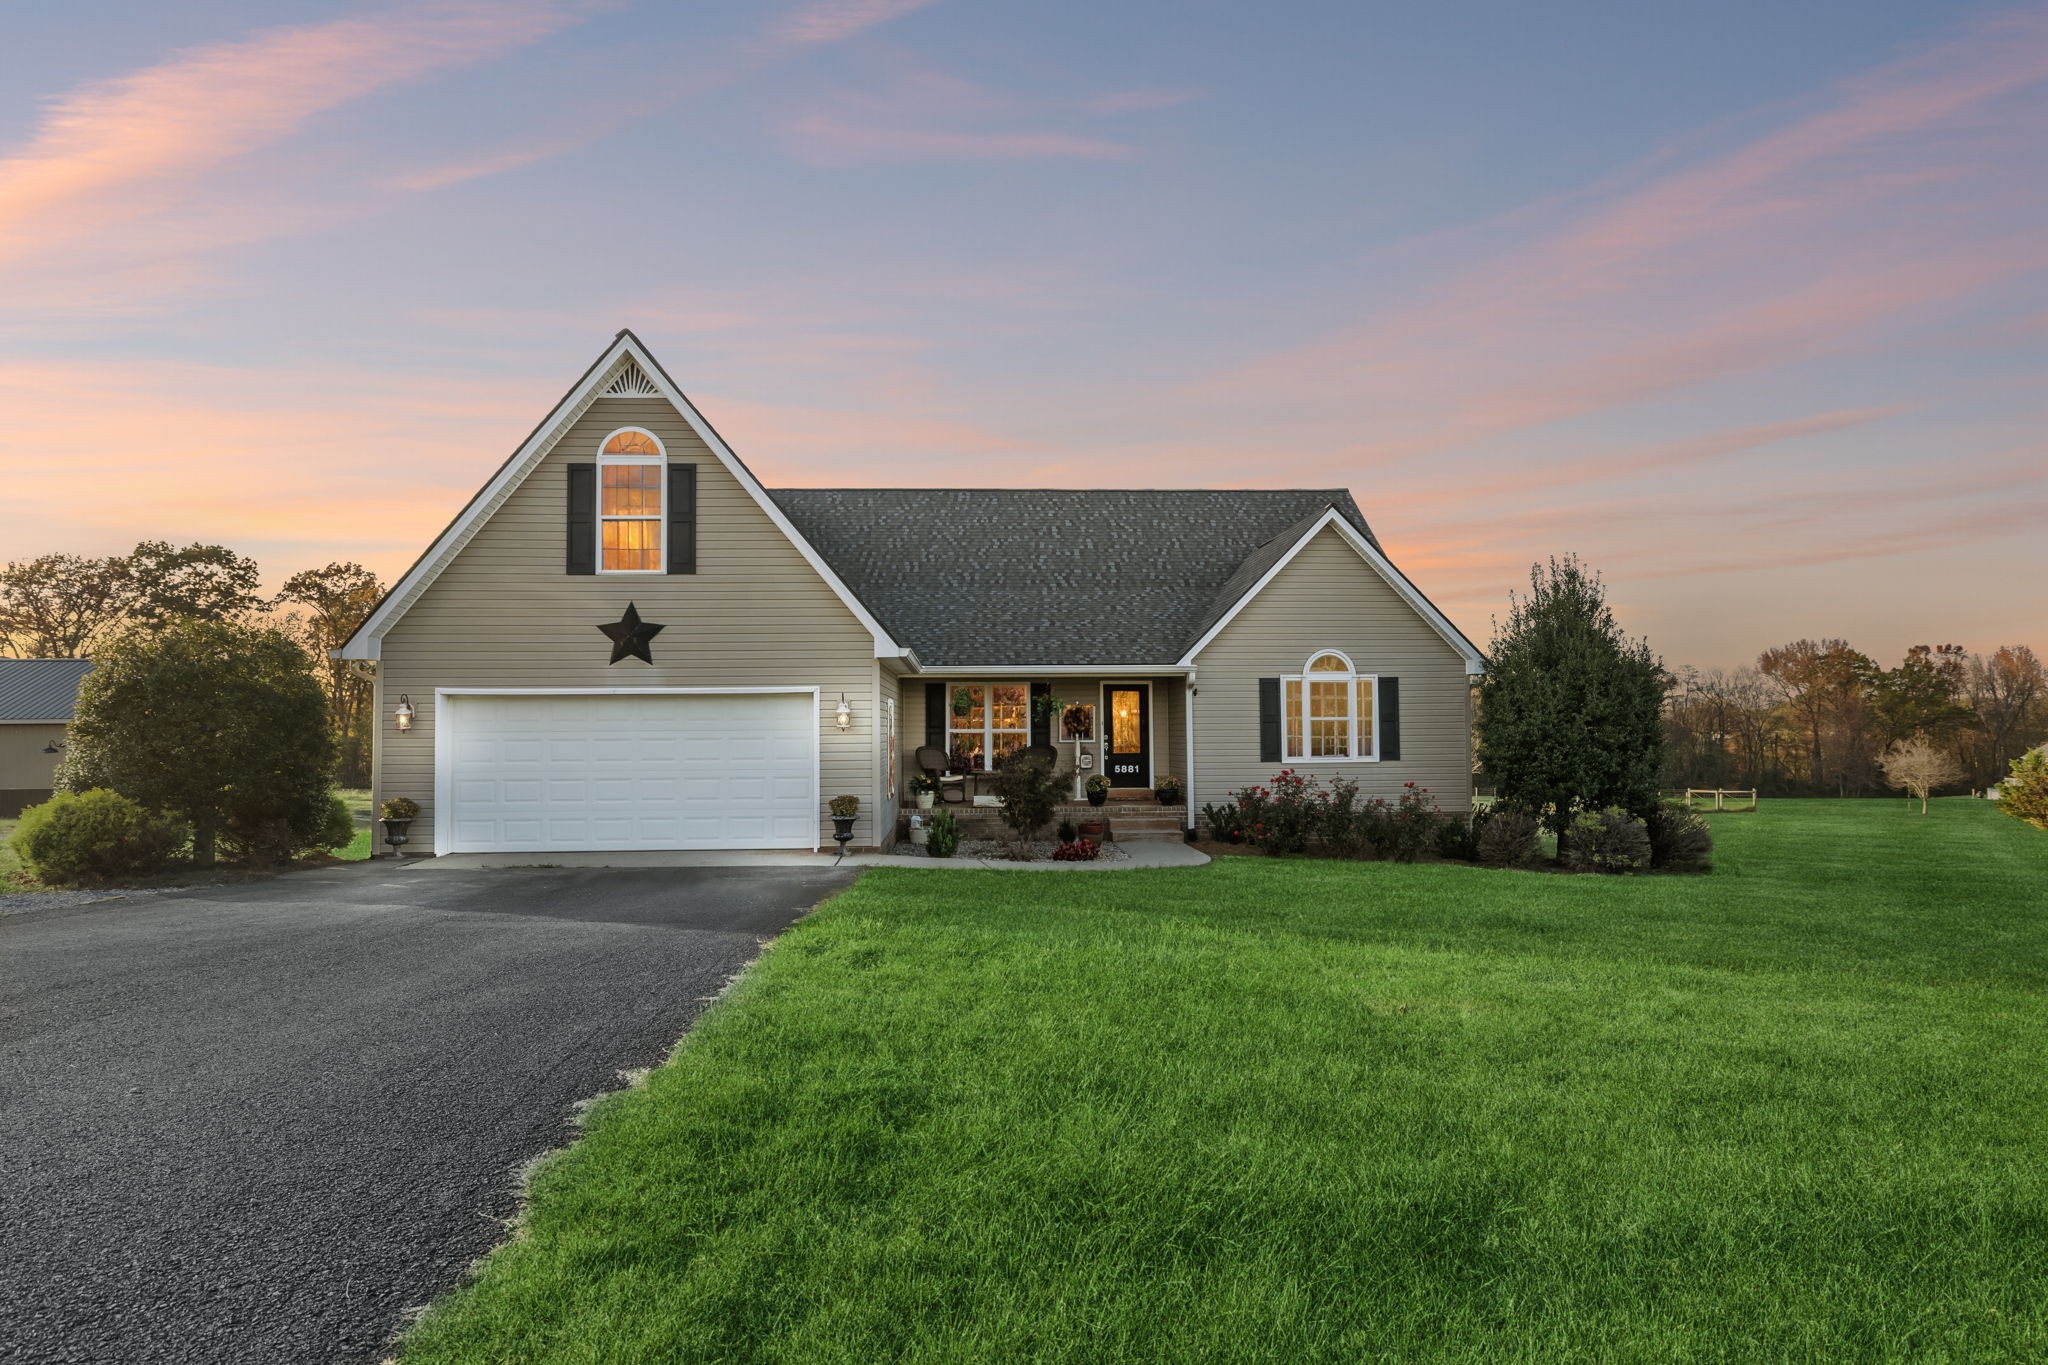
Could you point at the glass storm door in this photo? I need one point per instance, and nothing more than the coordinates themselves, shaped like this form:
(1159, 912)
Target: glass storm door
(1128, 738)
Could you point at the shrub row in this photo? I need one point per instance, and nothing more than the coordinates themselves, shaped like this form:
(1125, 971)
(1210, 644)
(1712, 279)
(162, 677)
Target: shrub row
(99, 835)
(1301, 814)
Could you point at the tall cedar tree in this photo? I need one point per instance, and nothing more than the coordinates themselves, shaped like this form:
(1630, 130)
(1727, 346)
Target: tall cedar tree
(219, 723)
(1569, 712)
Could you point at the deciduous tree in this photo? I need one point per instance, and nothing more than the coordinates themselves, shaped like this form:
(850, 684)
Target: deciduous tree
(54, 606)
(197, 583)
(322, 609)
(1920, 766)
(218, 722)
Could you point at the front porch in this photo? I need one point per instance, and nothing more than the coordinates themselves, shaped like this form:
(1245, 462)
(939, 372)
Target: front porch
(1126, 817)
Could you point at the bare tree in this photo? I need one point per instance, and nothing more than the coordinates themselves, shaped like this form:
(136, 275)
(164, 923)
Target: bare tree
(55, 606)
(2007, 691)
(1920, 765)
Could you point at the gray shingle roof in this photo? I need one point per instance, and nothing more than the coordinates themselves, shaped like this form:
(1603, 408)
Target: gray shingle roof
(1019, 576)
(40, 689)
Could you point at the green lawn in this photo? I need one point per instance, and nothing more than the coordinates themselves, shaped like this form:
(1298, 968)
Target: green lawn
(1284, 1111)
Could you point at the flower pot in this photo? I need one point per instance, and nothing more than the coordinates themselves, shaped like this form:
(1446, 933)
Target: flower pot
(1098, 798)
(1090, 829)
(842, 827)
(920, 836)
(395, 832)
(924, 800)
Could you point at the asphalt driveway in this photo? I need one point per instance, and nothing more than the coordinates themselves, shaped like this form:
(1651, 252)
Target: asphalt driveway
(259, 1123)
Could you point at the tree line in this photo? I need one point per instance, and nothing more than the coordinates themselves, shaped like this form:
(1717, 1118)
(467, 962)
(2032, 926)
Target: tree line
(63, 606)
(1821, 717)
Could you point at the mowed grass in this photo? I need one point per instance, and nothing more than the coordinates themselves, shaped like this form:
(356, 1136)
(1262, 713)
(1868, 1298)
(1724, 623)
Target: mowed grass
(1287, 1111)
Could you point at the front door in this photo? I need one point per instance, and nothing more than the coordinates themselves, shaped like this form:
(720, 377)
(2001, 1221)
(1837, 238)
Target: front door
(1128, 740)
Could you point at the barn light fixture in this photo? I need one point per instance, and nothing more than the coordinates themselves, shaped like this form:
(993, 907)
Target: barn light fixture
(53, 747)
(403, 715)
(843, 716)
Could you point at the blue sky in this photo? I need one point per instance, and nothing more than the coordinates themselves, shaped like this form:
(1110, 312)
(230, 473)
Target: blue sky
(1747, 304)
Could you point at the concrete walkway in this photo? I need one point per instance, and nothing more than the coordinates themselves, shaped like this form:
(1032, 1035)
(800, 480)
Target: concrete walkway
(1140, 853)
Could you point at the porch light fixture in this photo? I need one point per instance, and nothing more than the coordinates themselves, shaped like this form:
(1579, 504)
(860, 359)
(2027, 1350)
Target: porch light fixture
(53, 747)
(843, 715)
(402, 717)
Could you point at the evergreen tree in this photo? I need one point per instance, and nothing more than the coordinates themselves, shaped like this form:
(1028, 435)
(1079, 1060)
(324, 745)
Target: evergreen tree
(1569, 712)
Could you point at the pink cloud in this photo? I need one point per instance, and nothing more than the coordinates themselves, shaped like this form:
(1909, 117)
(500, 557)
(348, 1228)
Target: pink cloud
(207, 105)
(833, 20)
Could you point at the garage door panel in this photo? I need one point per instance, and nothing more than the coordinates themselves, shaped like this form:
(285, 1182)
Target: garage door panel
(540, 773)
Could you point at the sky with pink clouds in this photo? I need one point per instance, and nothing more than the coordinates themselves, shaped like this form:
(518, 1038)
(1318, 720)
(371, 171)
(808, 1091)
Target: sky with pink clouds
(1745, 303)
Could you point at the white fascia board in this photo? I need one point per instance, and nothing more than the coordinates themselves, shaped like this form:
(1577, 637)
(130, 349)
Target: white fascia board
(1475, 662)
(367, 642)
(1062, 671)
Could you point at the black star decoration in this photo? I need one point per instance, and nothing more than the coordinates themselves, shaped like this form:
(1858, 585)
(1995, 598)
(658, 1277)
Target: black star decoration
(630, 635)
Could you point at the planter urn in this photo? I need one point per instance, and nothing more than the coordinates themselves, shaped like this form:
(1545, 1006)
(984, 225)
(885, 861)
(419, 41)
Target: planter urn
(395, 834)
(924, 800)
(842, 831)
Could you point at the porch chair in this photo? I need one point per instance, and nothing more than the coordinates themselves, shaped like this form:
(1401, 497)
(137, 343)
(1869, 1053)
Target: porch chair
(931, 761)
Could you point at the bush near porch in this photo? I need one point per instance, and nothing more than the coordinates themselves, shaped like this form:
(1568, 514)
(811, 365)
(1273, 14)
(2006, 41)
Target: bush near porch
(1300, 1110)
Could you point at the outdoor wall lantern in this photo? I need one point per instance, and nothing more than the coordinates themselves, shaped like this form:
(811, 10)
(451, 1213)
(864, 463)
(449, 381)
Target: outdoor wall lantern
(53, 747)
(843, 716)
(403, 715)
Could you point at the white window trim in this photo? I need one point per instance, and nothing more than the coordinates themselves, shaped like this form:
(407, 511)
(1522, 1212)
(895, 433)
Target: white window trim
(660, 518)
(988, 717)
(1355, 678)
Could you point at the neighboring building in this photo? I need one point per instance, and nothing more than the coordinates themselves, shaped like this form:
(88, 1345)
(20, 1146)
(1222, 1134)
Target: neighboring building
(625, 642)
(36, 698)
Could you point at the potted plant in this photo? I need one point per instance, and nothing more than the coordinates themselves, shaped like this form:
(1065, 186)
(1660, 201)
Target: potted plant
(844, 809)
(924, 789)
(1098, 789)
(396, 815)
(1044, 706)
(1168, 790)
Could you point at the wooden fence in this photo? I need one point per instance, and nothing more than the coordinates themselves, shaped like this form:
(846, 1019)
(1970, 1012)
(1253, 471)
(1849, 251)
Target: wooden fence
(1721, 795)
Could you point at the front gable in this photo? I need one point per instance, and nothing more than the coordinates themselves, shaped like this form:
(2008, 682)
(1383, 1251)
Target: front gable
(515, 535)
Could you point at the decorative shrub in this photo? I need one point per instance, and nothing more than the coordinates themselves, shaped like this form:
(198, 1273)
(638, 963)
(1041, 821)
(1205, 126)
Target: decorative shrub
(844, 807)
(2024, 793)
(1458, 836)
(1344, 826)
(944, 839)
(1031, 791)
(1412, 824)
(1281, 818)
(1077, 851)
(1169, 790)
(1679, 839)
(1609, 840)
(1508, 838)
(339, 831)
(1067, 831)
(1223, 823)
(94, 835)
(399, 808)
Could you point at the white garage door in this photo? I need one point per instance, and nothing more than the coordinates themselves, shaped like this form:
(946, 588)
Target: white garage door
(537, 774)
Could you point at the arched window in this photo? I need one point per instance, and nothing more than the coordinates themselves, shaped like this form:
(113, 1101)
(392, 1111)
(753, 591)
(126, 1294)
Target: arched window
(1329, 712)
(632, 473)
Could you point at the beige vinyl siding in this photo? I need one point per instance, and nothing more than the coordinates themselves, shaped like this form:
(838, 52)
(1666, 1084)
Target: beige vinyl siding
(25, 770)
(504, 613)
(1169, 721)
(1328, 597)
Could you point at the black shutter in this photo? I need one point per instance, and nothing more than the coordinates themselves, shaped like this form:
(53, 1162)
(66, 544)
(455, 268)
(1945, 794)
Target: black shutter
(582, 543)
(682, 518)
(935, 715)
(1390, 718)
(1269, 720)
(1041, 719)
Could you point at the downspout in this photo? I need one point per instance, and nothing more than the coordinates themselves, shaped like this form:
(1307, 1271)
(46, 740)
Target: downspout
(1189, 708)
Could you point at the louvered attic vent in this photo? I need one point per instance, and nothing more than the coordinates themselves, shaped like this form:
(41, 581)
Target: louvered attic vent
(630, 382)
